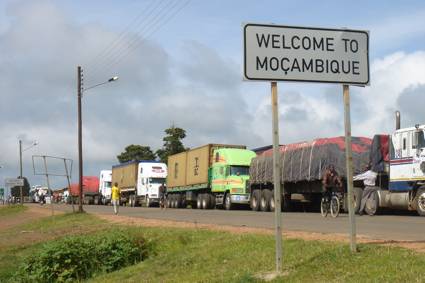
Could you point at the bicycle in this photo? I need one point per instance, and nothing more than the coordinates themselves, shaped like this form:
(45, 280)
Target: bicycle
(333, 206)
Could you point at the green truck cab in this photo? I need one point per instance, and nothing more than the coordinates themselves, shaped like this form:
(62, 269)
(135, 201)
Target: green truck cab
(209, 176)
(230, 174)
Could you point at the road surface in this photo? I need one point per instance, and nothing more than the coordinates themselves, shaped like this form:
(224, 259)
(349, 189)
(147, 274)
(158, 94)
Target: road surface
(384, 227)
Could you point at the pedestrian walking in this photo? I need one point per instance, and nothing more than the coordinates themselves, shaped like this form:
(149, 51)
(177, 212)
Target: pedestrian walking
(115, 197)
(369, 181)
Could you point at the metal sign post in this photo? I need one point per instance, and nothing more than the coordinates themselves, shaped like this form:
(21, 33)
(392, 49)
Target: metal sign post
(349, 164)
(276, 178)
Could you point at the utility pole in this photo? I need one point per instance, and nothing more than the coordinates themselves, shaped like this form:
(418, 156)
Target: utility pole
(20, 172)
(80, 140)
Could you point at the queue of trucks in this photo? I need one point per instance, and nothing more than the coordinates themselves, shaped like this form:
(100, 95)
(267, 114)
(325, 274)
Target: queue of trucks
(220, 175)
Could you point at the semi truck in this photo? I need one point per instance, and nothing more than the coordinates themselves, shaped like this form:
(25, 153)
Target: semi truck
(302, 168)
(399, 160)
(105, 186)
(209, 176)
(139, 181)
(90, 190)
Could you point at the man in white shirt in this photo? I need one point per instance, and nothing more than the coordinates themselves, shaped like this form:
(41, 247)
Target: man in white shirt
(369, 180)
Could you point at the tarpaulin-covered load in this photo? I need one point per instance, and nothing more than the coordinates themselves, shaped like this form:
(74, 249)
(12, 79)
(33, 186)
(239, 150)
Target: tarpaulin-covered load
(306, 161)
(379, 152)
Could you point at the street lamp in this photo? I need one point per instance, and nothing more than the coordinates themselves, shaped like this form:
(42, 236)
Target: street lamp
(80, 91)
(34, 143)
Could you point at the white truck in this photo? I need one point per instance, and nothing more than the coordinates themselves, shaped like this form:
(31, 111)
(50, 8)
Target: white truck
(401, 170)
(105, 186)
(139, 181)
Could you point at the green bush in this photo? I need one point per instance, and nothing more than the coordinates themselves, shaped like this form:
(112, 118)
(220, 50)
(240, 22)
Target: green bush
(80, 257)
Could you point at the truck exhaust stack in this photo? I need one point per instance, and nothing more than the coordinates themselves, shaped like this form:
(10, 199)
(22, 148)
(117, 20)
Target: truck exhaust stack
(397, 120)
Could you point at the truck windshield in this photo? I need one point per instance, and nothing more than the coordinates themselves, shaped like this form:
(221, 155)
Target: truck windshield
(108, 184)
(239, 170)
(157, 180)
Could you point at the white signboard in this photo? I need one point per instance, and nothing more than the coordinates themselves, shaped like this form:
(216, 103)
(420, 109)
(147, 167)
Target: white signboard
(286, 53)
(11, 182)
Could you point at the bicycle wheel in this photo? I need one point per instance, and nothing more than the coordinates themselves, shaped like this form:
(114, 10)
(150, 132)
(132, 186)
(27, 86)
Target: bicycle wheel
(324, 207)
(335, 205)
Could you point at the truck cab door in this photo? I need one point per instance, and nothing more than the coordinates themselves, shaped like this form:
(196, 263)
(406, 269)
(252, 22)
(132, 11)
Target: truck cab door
(418, 167)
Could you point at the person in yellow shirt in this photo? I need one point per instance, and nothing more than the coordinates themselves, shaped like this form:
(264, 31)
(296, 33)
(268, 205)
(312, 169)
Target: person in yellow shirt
(115, 197)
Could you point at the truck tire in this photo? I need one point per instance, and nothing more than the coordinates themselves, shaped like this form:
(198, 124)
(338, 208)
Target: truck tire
(178, 200)
(132, 200)
(168, 201)
(205, 201)
(228, 205)
(265, 200)
(255, 200)
(199, 201)
(96, 200)
(212, 201)
(420, 202)
(358, 192)
(272, 203)
(372, 204)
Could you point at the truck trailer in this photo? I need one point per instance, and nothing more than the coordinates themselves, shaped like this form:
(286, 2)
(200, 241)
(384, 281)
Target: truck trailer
(302, 167)
(209, 176)
(139, 181)
(90, 190)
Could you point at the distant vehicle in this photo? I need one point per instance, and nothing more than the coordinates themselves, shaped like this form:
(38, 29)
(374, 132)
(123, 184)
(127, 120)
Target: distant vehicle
(207, 176)
(105, 185)
(139, 181)
(90, 190)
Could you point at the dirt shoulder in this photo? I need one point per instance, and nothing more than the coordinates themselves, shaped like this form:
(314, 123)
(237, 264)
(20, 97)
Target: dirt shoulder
(30, 214)
(308, 236)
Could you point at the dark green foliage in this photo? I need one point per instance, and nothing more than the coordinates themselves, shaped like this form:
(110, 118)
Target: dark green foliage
(16, 191)
(136, 152)
(172, 143)
(81, 257)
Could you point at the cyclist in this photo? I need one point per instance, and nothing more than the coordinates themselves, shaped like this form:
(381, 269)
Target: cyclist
(331, 182)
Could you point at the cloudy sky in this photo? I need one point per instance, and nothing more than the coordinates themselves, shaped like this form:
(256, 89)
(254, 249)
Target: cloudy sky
(181, 63)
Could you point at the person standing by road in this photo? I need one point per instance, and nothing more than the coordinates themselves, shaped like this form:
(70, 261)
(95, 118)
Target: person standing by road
(369, 181)
(331, 181)
(115, 197)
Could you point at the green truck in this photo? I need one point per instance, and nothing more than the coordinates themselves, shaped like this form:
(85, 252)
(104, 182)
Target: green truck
(209, 176)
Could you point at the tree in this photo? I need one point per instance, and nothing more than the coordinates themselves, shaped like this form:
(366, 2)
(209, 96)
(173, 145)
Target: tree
(136, 152)
(172, 143)
(16, 191)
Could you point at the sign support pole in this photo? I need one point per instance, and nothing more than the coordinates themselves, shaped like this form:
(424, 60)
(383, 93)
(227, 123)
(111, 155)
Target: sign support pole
(276, 178)
(349, 164)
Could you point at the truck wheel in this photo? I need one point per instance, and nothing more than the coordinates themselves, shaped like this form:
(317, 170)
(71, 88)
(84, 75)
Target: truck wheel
(358, 192)
(265, 200)
(96, 200)
(228, 205)
(205, 201)
(199, 201)
(255, 200)
(168, 201)
(212, 201)
(132, 201)
(178, 200)
(271, 201)
(372, 204)
(420, 202)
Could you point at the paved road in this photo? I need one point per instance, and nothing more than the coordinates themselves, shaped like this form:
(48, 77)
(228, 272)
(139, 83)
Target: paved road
(385, 227)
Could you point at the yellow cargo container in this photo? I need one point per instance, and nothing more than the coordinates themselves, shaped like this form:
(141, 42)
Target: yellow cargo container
(191, 167)
(176, 170)
(125, 175)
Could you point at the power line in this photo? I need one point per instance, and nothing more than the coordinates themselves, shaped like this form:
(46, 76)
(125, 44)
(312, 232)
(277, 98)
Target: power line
(106, 52)
(138, 41)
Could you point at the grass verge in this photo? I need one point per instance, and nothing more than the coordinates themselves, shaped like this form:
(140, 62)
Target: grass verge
(188, 255)
(8, 210)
